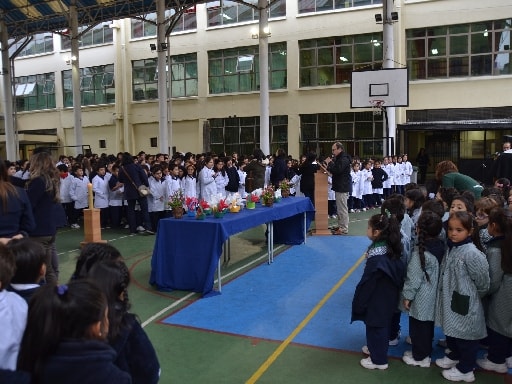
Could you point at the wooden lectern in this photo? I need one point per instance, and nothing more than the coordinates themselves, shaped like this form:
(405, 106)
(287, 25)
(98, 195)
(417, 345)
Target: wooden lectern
(92, 222)
(92, 227)
(321, 202)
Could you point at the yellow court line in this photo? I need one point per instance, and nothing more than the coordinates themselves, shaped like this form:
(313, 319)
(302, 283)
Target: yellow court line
(266, 365)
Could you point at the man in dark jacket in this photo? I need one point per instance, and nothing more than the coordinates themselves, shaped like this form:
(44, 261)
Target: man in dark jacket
(339, 167)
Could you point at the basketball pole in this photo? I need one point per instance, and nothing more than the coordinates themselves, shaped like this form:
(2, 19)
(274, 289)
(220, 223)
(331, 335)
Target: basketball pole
(388, 59)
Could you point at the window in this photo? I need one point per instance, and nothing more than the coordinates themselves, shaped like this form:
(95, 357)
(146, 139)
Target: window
(306, 6)
(242, 134)
(478, 49)
(330, 61)
(147, 27)
(231, 12)
(102, 143)
(35, 92)
(97, 35)
(97, 85)
(183, 82)
(358, 130)
(40, 43)
(230, 70)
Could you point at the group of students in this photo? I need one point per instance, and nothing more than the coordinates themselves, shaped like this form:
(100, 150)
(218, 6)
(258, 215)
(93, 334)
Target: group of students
(374, 180)
(79, 332)
(446, 262)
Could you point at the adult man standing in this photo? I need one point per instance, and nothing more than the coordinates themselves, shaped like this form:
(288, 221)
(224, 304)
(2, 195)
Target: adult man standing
(502, 165)
(339, 167)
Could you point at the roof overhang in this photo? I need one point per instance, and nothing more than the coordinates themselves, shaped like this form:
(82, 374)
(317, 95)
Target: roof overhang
(26, 17)
(457, 125)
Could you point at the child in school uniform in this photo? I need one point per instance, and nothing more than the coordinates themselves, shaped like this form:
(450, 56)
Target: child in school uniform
(463, 280)
(101, 190)
(355, 203)
(420, 288)
(331, 199)
(115, 197)
(65, 184)
(499, 311)
(241, 185)
(387, 166)
(79, 193)
(366, 185)
(157, 198)
(379, 176)
(189, 182)
(377, 293)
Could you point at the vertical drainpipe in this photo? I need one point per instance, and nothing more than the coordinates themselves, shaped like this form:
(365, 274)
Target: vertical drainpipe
(163, 132)
(264, 89)
(75, 78)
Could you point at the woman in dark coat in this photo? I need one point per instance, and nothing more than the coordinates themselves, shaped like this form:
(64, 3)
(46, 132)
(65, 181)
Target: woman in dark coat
(132, 176)
(16, 218)
(278, 172)
(307, 172)
(44, 195)
(255, 172)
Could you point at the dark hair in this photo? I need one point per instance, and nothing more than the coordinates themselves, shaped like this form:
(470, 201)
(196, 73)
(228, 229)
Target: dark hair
(389, 228)
(447, 195)
(56, 313)
(92, 253)
(395, 205)
(30, 257)
(467, 201)
(469, 223)
(429, 226)
(435, 206)
(7, 266)
(6, 188)
(417, 197)
(126, 158)
(113, 278)
(502, 217)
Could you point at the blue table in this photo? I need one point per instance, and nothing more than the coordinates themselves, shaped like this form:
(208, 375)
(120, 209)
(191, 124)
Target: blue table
(187, 250)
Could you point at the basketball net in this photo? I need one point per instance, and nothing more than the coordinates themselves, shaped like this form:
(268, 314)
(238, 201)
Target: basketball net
(377, 106)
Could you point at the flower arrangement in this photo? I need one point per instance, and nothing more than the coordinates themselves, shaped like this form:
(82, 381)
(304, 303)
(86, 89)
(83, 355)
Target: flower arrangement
(177, 200)
(284, 186)
(220, 206)
(191, 203)
(253, 198)
(268, 194)
(204, 204)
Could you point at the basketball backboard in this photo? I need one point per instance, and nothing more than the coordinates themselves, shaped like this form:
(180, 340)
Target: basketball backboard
(389, 86)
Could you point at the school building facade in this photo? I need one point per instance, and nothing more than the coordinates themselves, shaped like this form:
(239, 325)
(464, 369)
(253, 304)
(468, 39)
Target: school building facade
(457, 52)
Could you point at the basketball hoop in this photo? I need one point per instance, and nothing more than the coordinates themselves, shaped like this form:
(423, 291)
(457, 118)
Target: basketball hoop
(377, 106)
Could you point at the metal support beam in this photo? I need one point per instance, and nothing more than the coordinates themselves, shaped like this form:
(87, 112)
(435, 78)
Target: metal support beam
(10, 138)
(388, 59)
(264, 88)
(75, 78)
(163, 129)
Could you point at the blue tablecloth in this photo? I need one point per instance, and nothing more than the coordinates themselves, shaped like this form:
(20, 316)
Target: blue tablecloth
(187, 250)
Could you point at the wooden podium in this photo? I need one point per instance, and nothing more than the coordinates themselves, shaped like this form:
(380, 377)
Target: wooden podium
(321, 201)
(92, 227)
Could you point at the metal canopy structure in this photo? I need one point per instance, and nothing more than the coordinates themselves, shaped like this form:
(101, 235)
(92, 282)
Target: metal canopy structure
(26, 17)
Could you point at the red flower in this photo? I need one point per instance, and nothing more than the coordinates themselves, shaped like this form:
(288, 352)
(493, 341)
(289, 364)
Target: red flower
(223, 205)
(254, 198)
(204, 204)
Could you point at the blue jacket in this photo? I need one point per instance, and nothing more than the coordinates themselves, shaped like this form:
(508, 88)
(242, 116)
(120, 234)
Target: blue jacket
(377, 294)
(137, 175)
(83, 362)
(46, 210)
(135, 353)
(18, 217)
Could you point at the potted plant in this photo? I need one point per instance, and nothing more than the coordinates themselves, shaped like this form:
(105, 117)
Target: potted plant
(191, 203)
(284, 185)
(176, 202)
(267, 196)
(205, 206)
(220, 208)
(251, 201)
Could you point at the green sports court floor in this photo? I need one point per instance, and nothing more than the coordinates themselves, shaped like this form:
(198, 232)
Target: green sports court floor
(288, 322)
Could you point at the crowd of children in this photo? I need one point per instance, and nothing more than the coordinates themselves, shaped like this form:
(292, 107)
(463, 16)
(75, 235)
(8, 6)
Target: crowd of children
(445, 260)
(77, 332)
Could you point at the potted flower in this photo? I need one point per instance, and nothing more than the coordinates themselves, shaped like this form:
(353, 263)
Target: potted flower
(267, 196)
(251, 201)
(176, 202)
(205, 206)
(191, 203)
(285, 188)
(220, 208)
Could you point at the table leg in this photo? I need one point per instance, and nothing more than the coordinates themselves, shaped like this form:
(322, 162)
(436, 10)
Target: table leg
(271, 242)
(219, 277)
(305, 229)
